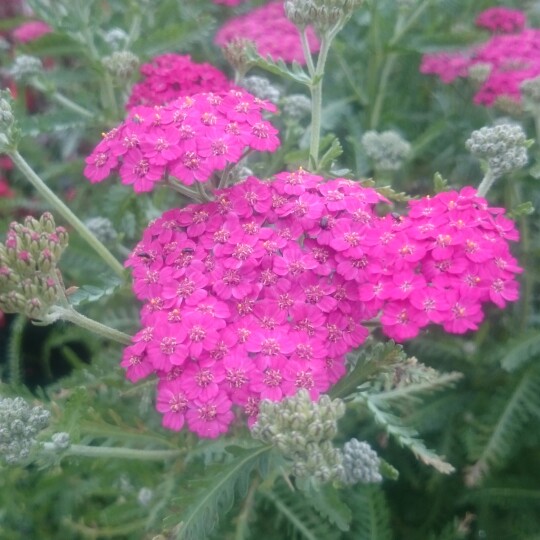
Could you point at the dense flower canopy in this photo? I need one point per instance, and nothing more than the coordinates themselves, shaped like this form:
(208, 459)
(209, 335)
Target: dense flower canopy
(501, 19)
(271, 32)
(170, 76)
(507, 60)
(264, 290)
(190, 138)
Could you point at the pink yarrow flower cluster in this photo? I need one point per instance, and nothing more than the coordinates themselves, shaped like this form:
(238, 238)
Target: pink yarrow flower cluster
(170, 76)
(30, 31)
(189, 139)
(450, 256)
(510, 60)
(271, 32)
(264, 290)
(502, 20)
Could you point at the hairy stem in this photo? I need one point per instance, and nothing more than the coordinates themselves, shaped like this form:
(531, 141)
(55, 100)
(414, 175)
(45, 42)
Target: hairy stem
(66, 213)
(108, 452)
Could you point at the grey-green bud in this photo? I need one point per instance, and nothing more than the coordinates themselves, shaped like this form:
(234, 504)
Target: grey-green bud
(121, 64)
(388, 149)
(25, 67)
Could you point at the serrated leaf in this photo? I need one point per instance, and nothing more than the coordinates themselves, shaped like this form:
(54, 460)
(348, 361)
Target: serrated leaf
(534, 171)
(328, 503)
(522, 351)
(91, 293)
(206, 499)
(440, 184)
(523, 209)
(278, 67)
(334, 151)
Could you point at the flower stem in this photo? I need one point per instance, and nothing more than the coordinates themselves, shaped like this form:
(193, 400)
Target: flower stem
(69, 314)
(63, 100)
(107, 452)
(486, 183)
(65, 212)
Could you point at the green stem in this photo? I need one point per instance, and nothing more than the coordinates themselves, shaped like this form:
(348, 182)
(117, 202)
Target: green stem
(65, 212)
(63, 100)
(16, 333)
(307, 53)
(108, 452)
(69, 314)
(184, 190)
(486, 183)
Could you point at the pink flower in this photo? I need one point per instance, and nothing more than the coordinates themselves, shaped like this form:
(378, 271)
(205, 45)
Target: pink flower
(172, 403)
(170, 76)
(210, 418)
(30, 31)
(501, 19)
(270, 30)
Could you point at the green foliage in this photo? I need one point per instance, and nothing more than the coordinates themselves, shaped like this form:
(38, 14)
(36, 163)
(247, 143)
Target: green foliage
(495, 436)
(205, 499)
(371, 514)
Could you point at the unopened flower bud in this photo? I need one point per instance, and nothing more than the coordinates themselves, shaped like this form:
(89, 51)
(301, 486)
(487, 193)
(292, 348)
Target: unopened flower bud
(6, 116)
(25, 67)
(34, 308)
(46, 222)
(235, 52)
(121, 64)
(116, 38)
(296, 106)
(262, 88)
(19, 425)
(46, 260)
(12, 302)
(61, 440)
(102, 228)
(503, 147)
(360, 463)
(388, 149)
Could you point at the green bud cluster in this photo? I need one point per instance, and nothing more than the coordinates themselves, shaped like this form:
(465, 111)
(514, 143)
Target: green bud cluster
(7, 120)
(29, 278)
(503, 147)
(25, 67)
(387, 149)
(303, 430)
(121, 64)
(116, 38)
(262, 88)
(103, 229)
(479, 72)
(19, 425)
(60, 441)
(323, 15)
(236, 52)
(360, 463)
(296, 106)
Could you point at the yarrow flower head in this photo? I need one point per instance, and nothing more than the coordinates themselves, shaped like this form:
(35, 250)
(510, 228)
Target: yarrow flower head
(502, 20)
(262, 292)
(171, 76)
(271, 32)
(506, 60)
(188, 139)
(30, 31)
(20, 423)
(388, 149)
(360, 463)
(240, 299)
(503, 147)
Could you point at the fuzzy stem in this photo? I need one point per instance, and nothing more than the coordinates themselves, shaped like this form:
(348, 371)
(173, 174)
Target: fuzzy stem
(65, 212)
(184, 190)
(307, 53)
(69, 314)
(63, 100)
(108, 452)
(486, 183)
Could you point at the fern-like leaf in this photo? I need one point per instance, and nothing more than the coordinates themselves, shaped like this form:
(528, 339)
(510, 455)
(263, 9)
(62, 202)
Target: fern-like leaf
(207, 498)
(329, 504)
(296, 511)
(509, 412)
(521, 352)
(404, 435)
(371, 514)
